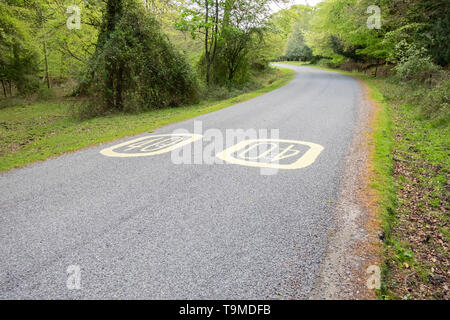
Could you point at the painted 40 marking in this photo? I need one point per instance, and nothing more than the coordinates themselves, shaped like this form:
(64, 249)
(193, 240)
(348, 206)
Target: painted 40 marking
(261, 153)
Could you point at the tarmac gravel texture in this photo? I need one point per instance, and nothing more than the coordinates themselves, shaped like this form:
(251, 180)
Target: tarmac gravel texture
(146, 228)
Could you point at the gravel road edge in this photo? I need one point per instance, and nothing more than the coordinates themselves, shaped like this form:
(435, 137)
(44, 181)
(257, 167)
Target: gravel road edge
(353, 243)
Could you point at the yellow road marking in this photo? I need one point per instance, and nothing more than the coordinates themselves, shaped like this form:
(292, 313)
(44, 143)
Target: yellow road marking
(305, 160)
(152, 145)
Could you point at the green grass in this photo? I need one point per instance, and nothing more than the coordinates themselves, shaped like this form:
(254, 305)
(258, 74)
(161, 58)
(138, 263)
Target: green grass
(424, 146)
(30, 133)
(296, 63)
(382, 179)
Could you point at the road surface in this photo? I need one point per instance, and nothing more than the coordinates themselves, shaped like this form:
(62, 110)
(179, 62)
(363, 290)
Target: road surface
(88, 225)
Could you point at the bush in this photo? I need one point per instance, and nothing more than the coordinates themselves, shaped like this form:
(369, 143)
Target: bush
(416, 67)
(329, 63)
(27, 84)
(12, 102)
(45, 93)
(436, 102)
(215, 92)
(135, 67)
(432, 100)
(415, 64)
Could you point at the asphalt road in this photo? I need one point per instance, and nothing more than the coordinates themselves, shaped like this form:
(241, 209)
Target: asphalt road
(146, 228)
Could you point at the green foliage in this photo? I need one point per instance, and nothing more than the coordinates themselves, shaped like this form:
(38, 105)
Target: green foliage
(414, 63)
(296, 48)
(338, 30)
(45, 94)
(430, 97)
(232, 32)
(232, 65)
(18, 58)
(424, 23)
(135, 67)
(35, 42)
(436, 102)
(283, 24)
(67, 50)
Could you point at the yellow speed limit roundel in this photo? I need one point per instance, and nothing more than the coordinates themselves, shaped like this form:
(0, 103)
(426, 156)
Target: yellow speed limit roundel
(150, 145)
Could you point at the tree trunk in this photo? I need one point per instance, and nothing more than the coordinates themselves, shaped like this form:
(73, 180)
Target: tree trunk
(113, 12)
(119, 100)
(4, 88)
(216, 30)
(207, 60)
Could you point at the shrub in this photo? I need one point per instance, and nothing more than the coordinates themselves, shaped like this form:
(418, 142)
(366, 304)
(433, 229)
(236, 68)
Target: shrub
(415, 64)
(27, 84)
(45, 93)
(436, 102)
(12, 102)
(296, 48)
(329, 63)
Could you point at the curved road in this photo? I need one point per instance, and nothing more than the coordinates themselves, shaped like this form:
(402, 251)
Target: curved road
(146, 228)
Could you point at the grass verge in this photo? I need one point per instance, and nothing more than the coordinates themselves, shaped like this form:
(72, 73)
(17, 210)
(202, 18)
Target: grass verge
(30, 133)
(411, 164)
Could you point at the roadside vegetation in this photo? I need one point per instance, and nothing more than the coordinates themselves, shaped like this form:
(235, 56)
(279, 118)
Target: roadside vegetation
(78, 73)
(412, 170)
(124, 67)
(415, 217)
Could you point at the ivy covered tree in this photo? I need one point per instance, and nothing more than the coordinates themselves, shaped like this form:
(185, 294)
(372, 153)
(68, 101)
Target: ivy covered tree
(232, 31)
(135, 67)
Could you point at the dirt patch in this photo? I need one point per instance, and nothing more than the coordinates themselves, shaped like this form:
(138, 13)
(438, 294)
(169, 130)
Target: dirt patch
(353, 244)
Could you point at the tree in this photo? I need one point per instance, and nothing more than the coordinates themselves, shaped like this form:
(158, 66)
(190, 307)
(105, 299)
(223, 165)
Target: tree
(283, 26)
(201, 17)
(339, 30)
(18, 55)
(242, 31)
(420, 23)
(296, 48)
(135, 67)
(230, 29)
